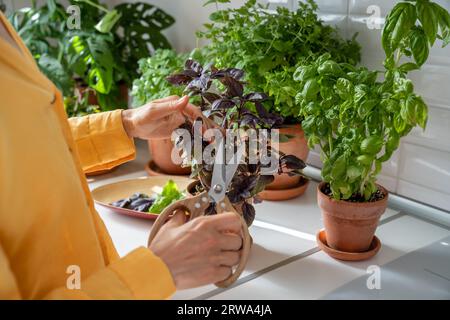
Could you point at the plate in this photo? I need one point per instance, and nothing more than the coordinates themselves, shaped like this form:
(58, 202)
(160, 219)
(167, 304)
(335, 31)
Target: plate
(321, 239)
(108, 193)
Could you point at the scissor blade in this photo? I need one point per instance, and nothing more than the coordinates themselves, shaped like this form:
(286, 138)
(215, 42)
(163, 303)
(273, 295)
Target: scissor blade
(232, 166)
(224, 173)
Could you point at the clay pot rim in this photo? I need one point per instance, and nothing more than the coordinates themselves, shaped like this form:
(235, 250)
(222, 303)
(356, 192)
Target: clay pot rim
(354, 204)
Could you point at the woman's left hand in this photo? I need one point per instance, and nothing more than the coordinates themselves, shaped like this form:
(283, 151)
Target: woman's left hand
(159, 118)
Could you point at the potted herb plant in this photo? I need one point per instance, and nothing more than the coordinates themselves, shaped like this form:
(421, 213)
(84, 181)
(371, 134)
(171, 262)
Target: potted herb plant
(100, 53)
(224, 102)
(268, 45)
(152, 85)
(357, 120)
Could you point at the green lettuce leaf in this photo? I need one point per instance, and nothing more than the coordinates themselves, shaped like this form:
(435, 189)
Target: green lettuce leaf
(169, 194)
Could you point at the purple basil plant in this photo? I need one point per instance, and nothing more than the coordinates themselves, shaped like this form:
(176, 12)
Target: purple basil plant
(221, 95)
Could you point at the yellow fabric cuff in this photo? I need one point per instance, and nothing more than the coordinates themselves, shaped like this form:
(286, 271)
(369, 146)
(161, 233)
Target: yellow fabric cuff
(102, 142)
(146, 275)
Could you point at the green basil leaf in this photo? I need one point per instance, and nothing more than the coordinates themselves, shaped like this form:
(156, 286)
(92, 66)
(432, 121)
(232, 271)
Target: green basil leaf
(399, 123)
(329, 68)
(444, 23)
(365, 107)
(398, 23)
(428, 19)
(353, 172)
(365, 159)
(339, 168)
(372, 145)
(344, 88)
(419, 46)
(310, 89)
(408, 66)
(421, 112)
(304, 73)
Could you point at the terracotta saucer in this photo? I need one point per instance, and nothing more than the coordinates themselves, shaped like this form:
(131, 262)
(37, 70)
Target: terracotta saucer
(153, 170)
(347, 256)
(106, 194)
(284, 194)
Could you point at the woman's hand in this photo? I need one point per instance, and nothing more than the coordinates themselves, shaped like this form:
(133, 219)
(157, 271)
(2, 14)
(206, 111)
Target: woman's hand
(201, 251)
(159, 118)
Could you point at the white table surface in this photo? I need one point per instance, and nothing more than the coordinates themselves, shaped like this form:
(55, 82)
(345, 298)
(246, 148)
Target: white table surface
(285, 262)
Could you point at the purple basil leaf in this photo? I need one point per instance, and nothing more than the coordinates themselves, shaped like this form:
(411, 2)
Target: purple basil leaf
(249, 119)
(248, 212)
(193, 65)
(234, 73)
(210, 97)
(234, 87)
(292, 162)
(178, 79)
(189, 73)
(270, 119)
(199, 84)
(222, 104)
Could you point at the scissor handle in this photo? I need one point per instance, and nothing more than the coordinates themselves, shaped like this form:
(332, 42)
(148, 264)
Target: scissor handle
(196, 206)
(226, 206)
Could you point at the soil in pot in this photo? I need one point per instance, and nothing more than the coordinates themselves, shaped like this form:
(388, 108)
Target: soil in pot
(161, 154)
(350, 225)
(298, 147)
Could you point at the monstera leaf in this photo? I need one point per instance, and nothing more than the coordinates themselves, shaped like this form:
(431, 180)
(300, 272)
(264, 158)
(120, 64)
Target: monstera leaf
(93, 60)
(141, 24)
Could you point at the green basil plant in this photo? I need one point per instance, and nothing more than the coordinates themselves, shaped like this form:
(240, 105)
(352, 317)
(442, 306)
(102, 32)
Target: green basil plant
(357, 116)
(269, 44)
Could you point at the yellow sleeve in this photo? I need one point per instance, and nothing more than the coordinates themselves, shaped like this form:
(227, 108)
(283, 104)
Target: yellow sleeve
(101, 140)
(139, 275)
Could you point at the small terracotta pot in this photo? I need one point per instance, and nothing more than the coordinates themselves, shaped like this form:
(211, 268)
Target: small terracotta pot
(350, 226)
(296, 146)
(161, 153)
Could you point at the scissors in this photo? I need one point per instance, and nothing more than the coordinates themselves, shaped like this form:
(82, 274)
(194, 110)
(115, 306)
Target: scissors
(222, 175)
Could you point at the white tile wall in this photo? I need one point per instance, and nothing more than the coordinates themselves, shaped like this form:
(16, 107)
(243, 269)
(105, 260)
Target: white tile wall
(421, 167)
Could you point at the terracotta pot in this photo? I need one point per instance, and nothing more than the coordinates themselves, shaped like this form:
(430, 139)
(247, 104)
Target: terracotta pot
(296, 146)
(161, 153)
(350, 226)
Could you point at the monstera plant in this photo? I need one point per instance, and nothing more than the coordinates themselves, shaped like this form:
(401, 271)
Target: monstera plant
(98, 52)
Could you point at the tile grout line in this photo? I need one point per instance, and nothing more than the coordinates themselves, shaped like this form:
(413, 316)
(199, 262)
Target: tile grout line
(278, 265)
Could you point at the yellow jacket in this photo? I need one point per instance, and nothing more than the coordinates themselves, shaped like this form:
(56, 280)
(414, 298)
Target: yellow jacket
(48, 222)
